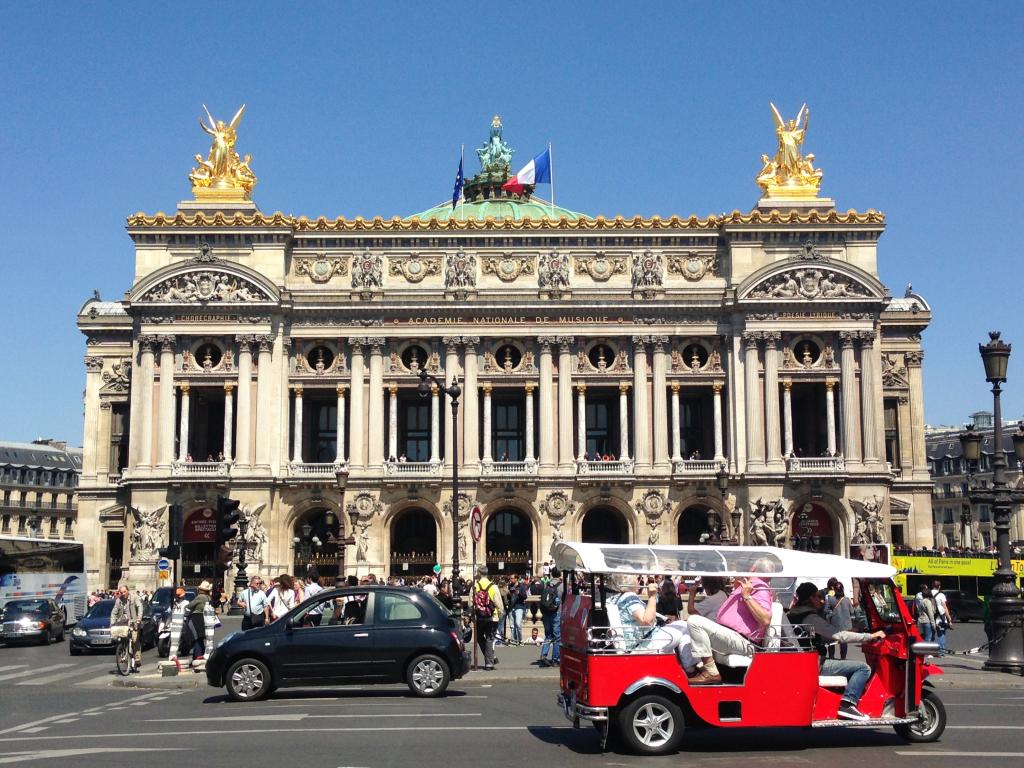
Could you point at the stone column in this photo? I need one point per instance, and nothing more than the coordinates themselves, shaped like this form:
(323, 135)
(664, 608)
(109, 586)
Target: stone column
(920, 459)
(339, 456)
(641, 421)
(375, 432)
(451, 370)
(135, 408)
(103, 470)
(297, 427)
(566, 460)
(787, 415)
(676, 439)
(660, 410)
(435, 423)
(393, 452)
(97, 440)
(183, 428)
(867, 396)
(623, 421)
(264, 401)
(146, 402)
(530, 455)
(229, 420)
(548, 457)
(848, 389)
(771, 399)
(830, 415)
(356, 431)
(470, 405)
(581, 421)
(165, 453)
(243, 450)
(717, 399)
(752, 393)
(487, 423)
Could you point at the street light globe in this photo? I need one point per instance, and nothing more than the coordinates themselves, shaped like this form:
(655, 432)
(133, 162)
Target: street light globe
(996, 356)
(970, 444)
(353, 518)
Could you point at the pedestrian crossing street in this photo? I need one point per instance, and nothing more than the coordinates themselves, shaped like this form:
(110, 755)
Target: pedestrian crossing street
(75, 672)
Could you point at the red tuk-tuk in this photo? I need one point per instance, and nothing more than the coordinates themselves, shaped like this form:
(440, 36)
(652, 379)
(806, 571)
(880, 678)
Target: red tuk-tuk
(631, 687)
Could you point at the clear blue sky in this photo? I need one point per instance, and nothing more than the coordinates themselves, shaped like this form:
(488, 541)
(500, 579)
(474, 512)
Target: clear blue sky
(916, 110)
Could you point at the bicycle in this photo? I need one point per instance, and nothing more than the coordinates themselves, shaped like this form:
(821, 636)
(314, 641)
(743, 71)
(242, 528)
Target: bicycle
(124, 651)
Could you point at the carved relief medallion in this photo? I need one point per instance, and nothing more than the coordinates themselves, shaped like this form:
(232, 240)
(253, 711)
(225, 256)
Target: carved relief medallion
(508, 266)
(692, 266)
(600, 267)
(321, 268)
(414, 267)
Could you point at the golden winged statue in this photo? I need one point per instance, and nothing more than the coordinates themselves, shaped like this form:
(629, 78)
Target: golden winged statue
(222, 174)
(790, 174)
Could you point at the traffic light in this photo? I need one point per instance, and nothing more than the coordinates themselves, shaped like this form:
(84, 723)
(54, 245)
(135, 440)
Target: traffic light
(227, 519)
(173, 552)
(175, 521)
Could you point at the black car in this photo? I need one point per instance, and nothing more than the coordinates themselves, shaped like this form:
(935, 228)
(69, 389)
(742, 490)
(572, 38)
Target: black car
(35, 619)
(92, 633)
(963, 606)
(343, 637)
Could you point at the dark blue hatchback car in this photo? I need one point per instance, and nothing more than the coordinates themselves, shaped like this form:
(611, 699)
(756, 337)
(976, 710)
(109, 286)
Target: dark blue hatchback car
(349, 636)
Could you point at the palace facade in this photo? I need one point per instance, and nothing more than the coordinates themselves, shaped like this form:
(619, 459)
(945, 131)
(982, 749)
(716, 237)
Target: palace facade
(739, 377)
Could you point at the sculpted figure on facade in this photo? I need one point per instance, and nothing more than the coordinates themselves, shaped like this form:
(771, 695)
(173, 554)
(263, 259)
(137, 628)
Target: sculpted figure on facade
(321, 268)
(495, 154)
(553, 274)
(508, 266)
(223, 169)
(255, 538)
(692, 266)
(460, 270)
(368, 270)
(600, 266)
(148, 533)
(362, 537)
(790, 173)
(808, 284)
(648, 270)
(118, 378)
(868, 523)
(557, 507)
(414, 267)
(769, 523)
(202, 287)
(652, 507)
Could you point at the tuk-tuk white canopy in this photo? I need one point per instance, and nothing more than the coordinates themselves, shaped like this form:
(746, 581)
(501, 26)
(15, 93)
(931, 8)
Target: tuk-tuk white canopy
(712, 561)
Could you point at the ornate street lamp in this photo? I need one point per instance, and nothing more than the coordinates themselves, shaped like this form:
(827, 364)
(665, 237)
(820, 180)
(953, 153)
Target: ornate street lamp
(970, 446)
(1006, 653)
(342, 541)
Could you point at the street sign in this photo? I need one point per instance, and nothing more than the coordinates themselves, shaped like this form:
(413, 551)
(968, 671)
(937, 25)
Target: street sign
(163, 574)
(437, 569)
(163, 564)
(476, 523)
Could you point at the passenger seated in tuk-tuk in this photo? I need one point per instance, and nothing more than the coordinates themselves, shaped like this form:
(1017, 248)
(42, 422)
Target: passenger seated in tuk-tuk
(741, 621)
(632, 612)
(806, 614)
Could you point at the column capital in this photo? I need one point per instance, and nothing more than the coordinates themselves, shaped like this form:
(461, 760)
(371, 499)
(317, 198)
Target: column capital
(717, 387)
(914, 358)
(623, 387)
(470, 342)
(146, 342)
(93, 364)
(266, 342)
(867, 338)
(376, 344)
(787, 384)
(357, 343)
(546, 342)
(771, 338)
(487, 387)
(639, 342)
(581, 388)
(297, 389)
(675, 387)
(750, 338)
(830, 384)
(185, 387)
(393, 390)
(659, 342)
(245, 342)
(339, 390)
(846, 339)
(105, 405)
(229, 387)
(166, 342)
(530, 386)
(565, 342)
(434, 390)
(452, 342)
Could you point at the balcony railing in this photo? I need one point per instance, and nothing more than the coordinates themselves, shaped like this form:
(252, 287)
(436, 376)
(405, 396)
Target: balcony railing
(800, 464)
(412, 468)
(508, 468)
(701, 467)
(604, 467)
(201, 469)
(319, 471)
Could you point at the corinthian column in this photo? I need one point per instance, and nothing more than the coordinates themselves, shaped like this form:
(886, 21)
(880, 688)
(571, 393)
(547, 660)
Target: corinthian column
(264, 402)
(641, 420)
(297, 426)
(771, 399)
(470, 406)
(717, 399)
(623, 421)
(229, 420)
(830, 415)
(244, 448)
(375, 432)
(787, 415)
(676, 439)
(548, 457)
(451, 370)
(435, 424)
(867, 396)
(165, 454)
(183, 428)
(339, 457)
(918, 451)
(487, 423)
(848, 390)
(581, 421)
(565, 454)
(530, 456)
(752, 395)
(393, 452)
(356, 429)
(660, 405)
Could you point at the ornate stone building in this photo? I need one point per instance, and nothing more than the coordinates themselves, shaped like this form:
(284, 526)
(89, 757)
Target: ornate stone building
(38, 487)
(615, 374)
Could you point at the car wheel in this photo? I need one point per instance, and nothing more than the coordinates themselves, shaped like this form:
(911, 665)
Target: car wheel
(428, 676)
(248, 680)
(60, 636)
(932, 723)
(651, 725)
(46, 638)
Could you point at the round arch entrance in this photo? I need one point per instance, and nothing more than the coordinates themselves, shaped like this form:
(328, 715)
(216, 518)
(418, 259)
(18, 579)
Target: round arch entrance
(509, 540)
(313, 540)
(413, 543)
(693, 523)
(604, 525)
(813, 529)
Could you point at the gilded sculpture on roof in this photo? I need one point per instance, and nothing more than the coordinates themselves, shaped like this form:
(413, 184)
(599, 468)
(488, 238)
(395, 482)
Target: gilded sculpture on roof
(790, 174)
(222, 174)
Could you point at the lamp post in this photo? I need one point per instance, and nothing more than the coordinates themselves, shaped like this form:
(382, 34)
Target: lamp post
(341, 541)
(453, 391)
(1006, 653)
(305, 544)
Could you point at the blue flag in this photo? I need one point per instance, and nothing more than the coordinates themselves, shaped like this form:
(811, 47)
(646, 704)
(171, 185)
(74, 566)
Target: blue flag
(460, 180)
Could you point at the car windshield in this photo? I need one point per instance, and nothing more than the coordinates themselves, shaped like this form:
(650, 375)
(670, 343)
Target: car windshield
(101, 610)
(26, 606)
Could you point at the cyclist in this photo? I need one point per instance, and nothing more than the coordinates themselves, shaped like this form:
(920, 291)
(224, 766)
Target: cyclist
(127, 612)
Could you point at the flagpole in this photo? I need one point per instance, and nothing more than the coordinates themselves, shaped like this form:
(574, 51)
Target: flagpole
(551, 163)
(462, 166)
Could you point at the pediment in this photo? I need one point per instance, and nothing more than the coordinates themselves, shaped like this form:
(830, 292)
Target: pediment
(811, 280)
(208, 283)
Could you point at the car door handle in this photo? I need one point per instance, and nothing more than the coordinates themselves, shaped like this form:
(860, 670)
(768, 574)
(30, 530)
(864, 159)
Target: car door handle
(361, 634)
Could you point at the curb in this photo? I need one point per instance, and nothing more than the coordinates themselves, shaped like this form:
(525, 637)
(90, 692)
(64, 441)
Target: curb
(1004, 682)
(154, 682)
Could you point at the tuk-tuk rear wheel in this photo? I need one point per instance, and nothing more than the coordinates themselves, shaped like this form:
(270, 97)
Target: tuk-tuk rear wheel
(651, 725)
(932, 723)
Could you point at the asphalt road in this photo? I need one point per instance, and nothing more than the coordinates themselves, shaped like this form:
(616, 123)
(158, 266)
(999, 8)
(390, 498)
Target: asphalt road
(50, 711)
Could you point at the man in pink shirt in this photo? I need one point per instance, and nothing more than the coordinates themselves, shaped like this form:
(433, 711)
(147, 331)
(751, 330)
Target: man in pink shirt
(743, 617)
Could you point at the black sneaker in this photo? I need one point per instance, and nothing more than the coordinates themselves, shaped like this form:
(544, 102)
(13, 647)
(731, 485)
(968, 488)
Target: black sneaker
(543, 663)
(848, 711)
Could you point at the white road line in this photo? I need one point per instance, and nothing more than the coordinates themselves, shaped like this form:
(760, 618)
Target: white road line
(297, 716)
(985, 727)
(11, 666)
(293, 704)
(49, 719)
(37, 729)
(924, 753)
(66, 720)
(49, 754)
(39, 670)
(46, 679)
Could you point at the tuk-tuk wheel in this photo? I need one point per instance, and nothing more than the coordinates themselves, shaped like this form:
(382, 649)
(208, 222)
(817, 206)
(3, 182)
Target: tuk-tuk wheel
(651, 725)
(932, 723)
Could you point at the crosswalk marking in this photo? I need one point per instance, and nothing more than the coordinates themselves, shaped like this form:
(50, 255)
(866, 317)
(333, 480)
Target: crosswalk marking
(26, 673)
(46, 679)
(11, 666)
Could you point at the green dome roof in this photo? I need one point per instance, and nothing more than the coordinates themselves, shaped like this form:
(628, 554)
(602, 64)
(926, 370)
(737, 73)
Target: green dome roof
(501, 208)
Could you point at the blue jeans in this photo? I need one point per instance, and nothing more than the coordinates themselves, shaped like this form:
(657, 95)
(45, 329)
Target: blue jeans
(517, 622)
(926, 632)
(552, 636)
(857, 674)
(940, 638)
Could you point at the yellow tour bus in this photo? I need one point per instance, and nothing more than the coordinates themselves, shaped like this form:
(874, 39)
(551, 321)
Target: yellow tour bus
(972, 575)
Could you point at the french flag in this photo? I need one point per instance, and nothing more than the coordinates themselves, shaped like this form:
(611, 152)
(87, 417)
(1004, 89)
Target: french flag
(537, 171)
